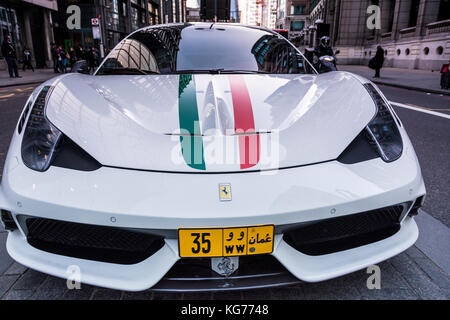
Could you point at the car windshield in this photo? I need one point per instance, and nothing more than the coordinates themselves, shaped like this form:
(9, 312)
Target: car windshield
(204, 48)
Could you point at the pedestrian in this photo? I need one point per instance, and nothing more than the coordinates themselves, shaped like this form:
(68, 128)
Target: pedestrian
(82, 54)
(9, 52)
(379, 60)
(96, 57)
(72, 56)
(90, 58)
(55, 57)
(445, 76)
(62, 59)
(27, 59)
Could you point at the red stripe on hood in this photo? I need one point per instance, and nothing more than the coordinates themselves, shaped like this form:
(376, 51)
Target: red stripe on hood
(244, 122)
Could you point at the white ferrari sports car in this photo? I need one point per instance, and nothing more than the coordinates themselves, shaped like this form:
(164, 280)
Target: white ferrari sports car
(208, 156)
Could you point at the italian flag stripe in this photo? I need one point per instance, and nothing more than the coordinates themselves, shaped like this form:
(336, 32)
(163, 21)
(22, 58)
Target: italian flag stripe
(244, 123)
(191, 139)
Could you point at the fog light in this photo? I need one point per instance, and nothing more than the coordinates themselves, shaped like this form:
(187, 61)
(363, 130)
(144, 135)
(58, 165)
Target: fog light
(416, 206)
(7, 220)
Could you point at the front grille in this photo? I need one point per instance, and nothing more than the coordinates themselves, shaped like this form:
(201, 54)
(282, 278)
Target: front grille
(91, 242)
(195, 274)
(343, 233)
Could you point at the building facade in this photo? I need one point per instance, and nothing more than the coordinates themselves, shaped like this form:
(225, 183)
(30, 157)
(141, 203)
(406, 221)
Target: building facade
(270, 13)
(292, 15)
(117, 19)
(415, 34)
(28, 22)
(250, 12)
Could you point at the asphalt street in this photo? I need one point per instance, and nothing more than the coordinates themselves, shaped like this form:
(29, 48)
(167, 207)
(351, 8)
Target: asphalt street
(410, 275)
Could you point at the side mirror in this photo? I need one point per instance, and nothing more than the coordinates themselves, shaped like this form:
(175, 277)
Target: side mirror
(337, 52)
(81, 66)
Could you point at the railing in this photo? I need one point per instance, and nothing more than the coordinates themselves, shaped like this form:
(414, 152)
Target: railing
(313, 4)
(386, 36)
(438, 27)
(407, 32)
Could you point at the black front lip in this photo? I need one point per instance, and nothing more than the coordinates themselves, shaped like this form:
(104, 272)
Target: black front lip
(254, 272)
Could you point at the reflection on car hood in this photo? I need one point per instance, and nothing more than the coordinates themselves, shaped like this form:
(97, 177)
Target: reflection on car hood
(148, 122)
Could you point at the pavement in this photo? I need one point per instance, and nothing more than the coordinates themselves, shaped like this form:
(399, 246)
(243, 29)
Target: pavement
(421, 80)
(27, 77)
(421, 272)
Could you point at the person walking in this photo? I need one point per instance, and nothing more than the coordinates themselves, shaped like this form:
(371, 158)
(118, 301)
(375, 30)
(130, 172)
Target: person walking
(55, 58)
(90, 58)
(379, 60)
(72, 57)
(9, 52)
(445, 76)
(27, 59)
(62, 60)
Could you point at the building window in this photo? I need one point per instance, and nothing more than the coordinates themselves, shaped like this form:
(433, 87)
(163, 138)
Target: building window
(281, 8)
(444, 10)
(297, 25)
(297, 10)
(391, 15)
(413, 13)
(123, 9)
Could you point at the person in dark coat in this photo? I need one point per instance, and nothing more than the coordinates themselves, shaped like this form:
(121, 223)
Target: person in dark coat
(9, 52)
(379, 60)
(73, 56)
(90, 58)
(62, 59)
(445, 76)
(27, 59)
(55, 57)
(324, 48)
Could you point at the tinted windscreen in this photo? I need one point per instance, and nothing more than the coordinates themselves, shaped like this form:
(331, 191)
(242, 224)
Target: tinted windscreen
(204, 48)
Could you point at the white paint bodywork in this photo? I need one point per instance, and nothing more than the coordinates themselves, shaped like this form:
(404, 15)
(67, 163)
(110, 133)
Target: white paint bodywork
(108, 117)
(126, 121)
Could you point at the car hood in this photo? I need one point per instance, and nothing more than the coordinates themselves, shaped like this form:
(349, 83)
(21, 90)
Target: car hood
(235, 122)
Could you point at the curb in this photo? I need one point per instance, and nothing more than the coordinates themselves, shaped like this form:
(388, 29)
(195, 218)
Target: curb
(402, 86)
(21, 84)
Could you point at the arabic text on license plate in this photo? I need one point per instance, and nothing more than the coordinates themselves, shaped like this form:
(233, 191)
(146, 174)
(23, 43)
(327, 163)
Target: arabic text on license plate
(221, 242)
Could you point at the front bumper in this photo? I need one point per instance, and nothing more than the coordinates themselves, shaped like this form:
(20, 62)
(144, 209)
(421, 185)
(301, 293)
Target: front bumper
(148, 273)
(164, 202)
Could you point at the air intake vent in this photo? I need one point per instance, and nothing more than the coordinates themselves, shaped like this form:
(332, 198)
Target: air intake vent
(347, 232)
(91, 242)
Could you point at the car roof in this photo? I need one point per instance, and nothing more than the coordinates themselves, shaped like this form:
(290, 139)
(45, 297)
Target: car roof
(206, 25)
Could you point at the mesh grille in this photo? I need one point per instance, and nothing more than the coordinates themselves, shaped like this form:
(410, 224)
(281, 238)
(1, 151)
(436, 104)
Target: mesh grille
(91, 242)
(343, 233)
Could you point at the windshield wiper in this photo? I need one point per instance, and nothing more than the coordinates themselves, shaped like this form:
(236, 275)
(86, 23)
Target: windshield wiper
(216, 71)
(244, 71)
(125, 71)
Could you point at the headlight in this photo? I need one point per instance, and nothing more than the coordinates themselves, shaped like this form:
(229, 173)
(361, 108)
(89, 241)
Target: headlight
(40, 137)
(382, 131)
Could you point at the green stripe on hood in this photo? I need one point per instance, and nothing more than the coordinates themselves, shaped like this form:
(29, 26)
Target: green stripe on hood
(191, 139)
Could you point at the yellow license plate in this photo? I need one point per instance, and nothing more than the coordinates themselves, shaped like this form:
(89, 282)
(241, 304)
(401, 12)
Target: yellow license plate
(220, 242)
